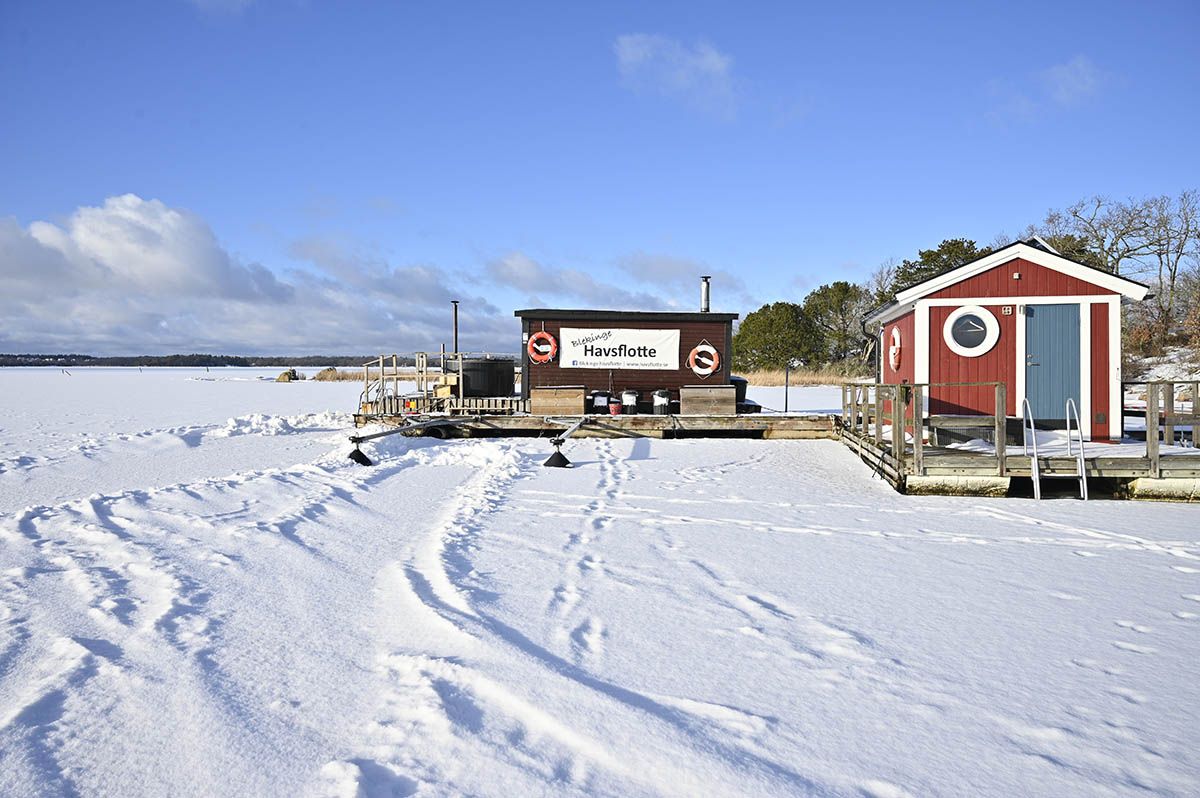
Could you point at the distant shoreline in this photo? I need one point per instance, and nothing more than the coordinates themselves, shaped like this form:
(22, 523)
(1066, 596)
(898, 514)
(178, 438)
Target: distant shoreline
(184, 361)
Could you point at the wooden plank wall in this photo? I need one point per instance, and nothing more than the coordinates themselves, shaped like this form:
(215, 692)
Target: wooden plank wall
(998, 365)
(719, 334)
(1035, 280)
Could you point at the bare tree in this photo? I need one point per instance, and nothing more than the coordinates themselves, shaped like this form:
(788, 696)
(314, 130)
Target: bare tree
(1173, 240)
(878, 285)
(1116, 231)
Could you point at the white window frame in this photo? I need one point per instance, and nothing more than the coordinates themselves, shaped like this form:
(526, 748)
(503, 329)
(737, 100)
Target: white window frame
(990, 337)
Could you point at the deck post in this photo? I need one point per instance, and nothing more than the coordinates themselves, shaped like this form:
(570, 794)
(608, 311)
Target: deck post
(898, 428)
(845, 405)
(879, 417)
(1152, 390)
(1168, 412)
(1195, 413)
(854, 409)
(865, 409)
(1001, 426)
(918, 429)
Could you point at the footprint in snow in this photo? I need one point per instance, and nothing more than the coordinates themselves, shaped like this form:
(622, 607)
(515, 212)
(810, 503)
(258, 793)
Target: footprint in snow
(1132, 696)
(588, 637)
(1134, 627)
(874, 788)
(1134, 647)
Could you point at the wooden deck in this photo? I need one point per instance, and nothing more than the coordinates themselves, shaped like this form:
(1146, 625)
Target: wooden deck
(774, 426)
(887, 427)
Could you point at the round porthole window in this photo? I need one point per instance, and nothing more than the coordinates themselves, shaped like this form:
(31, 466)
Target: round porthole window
(971, 331)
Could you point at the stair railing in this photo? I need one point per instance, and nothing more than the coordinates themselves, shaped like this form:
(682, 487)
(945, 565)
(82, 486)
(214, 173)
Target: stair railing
(1027, 432)
(1080, 465)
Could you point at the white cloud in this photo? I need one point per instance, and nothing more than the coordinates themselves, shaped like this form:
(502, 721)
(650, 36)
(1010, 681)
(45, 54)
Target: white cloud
(1065, 85)
(700, 76)
(1073, 82)
(146, 247)
(137, 276)
(523, 273)
(133, 276)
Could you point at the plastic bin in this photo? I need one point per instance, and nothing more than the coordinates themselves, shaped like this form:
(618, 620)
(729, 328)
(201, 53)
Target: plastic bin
(662, 402)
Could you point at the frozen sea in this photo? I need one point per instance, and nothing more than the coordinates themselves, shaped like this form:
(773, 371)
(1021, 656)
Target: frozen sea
(200, 595)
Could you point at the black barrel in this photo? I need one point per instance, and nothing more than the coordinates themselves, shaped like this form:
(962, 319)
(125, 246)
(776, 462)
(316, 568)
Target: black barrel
(739, 388)
(486, 376)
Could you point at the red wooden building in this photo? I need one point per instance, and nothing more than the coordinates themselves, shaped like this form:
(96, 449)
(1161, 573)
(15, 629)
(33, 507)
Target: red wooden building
(1047, 327)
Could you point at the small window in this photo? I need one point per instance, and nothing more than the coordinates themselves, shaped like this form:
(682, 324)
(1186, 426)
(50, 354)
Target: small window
(971, 331)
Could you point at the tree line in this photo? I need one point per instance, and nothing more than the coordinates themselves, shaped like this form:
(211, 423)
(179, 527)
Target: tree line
(1153, 240)
(193, 361)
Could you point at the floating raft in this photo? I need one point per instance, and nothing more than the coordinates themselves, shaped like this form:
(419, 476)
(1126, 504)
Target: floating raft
(765, 426)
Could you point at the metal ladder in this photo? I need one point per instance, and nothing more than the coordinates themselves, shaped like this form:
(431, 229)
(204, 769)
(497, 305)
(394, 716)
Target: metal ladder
(1028, 432)
(1080, 465)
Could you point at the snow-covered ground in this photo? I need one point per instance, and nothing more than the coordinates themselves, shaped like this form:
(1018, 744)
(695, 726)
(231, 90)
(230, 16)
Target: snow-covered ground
(200, 595)
(1177, 363)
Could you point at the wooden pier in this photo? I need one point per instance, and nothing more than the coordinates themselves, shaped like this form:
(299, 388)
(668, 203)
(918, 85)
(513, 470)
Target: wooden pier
(887, 426)
(764, 426)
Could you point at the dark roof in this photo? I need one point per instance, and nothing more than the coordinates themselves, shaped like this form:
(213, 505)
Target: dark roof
(562, 314)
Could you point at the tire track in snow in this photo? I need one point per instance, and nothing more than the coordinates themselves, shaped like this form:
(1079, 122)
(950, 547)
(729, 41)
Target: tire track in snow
(137, 564)
(494, 724)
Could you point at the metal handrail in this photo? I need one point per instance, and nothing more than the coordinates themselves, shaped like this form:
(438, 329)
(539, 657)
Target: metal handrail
(1080, 465)
(1027, 432)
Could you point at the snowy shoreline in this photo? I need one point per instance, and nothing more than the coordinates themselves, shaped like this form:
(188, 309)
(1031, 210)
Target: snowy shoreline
(200, 594)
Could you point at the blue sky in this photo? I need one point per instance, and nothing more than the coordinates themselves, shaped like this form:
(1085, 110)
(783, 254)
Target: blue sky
(316, 177)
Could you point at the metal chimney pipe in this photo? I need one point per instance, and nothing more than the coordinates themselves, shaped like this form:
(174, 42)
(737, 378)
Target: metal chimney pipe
(704, 292)
(454, 302)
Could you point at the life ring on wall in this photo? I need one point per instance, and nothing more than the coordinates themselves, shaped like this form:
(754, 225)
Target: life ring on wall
(896, 349)
(704, 360)
(542, 347)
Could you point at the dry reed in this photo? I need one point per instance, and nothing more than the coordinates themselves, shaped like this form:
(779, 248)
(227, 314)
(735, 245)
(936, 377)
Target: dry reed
(770, 377)
(356, 375)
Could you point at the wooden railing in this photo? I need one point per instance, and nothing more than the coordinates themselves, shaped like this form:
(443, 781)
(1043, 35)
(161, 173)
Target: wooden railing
(868, 407)
(382, 377)
(1164, 412)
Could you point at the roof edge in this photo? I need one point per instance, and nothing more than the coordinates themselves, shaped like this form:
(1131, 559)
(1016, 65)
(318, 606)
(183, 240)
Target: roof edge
(1114, 282)
(559, 314)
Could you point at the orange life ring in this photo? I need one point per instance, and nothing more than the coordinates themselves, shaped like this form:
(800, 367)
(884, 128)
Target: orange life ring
(704, 360)
(542, 347)
(896, 350)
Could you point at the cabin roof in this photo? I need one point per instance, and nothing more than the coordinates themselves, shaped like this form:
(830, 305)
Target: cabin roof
(1035, 250)
(667, 317)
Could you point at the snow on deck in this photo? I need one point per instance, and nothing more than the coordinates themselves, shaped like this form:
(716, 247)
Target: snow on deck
(218, 602)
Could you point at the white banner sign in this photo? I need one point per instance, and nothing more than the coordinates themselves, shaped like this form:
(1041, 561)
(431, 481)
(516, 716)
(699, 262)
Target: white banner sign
(619, 349)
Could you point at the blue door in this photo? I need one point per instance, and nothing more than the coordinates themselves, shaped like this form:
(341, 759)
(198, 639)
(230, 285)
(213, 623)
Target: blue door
(1051, 359)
